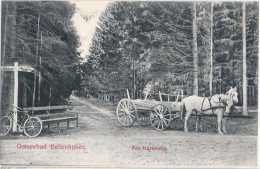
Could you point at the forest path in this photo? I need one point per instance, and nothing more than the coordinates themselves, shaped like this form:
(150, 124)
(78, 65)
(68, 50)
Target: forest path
(108, 143)
(87, 103)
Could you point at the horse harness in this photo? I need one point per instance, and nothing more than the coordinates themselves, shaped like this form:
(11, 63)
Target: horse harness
(212, 108)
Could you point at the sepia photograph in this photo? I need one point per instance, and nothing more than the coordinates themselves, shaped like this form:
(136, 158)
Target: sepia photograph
(119, 84)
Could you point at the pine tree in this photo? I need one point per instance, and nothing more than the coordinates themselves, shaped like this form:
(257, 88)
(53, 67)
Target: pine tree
(244, 61)
(43, 32)
(195, 52)
(150, 43)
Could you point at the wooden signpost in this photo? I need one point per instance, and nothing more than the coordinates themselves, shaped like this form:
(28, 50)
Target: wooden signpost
(16, 69)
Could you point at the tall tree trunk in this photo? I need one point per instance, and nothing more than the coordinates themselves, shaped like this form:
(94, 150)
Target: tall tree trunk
(195, 52)
(24, 94)
(40, 75)
(5, 30)
(244, 61)
(12, 17)
(36, 61)
(211, 49)
(4, 43)
(12, 29)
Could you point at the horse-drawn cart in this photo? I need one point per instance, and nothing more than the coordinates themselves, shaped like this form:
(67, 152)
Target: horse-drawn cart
(163, 114)
(160, 114)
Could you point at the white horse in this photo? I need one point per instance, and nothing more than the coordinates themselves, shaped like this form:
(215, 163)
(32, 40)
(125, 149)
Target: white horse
(217, 104)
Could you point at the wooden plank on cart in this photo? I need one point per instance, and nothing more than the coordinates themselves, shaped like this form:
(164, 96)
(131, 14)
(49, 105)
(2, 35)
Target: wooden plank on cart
(148, 104)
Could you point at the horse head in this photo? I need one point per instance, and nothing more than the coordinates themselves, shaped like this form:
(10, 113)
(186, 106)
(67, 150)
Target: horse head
(232, 93)
(229, 99)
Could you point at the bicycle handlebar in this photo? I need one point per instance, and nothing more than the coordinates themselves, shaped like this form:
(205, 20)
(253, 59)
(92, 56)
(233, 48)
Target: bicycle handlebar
(19, 108)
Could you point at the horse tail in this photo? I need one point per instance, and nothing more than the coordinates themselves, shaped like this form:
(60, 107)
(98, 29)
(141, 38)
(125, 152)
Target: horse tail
(183, 110)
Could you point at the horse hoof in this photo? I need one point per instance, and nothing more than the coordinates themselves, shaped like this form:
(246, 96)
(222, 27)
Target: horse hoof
(220, 133)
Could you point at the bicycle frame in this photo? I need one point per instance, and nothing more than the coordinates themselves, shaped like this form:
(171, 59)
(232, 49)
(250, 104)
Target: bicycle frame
(21, 118)
(30, 125)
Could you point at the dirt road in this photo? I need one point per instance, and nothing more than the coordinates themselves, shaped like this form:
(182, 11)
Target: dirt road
(106, 142)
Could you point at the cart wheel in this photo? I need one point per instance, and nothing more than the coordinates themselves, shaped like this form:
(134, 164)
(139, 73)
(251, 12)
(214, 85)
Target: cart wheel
(126, 112)
(6, 125)
(160, 117)
(32, 126)
(143, 118)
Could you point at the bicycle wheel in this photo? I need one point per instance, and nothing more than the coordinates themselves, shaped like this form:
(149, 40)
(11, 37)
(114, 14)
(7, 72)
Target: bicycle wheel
(32, 126)
(6, 125)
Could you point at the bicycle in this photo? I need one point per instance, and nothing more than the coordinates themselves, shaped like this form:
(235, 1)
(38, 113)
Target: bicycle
(30, 125)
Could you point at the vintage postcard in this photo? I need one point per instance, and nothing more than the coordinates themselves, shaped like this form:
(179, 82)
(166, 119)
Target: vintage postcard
(129, 84)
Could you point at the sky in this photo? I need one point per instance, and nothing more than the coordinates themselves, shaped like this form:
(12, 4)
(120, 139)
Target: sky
(86, 29)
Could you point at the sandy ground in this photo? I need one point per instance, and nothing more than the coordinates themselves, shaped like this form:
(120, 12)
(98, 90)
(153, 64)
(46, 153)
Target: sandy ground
(107, 143)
